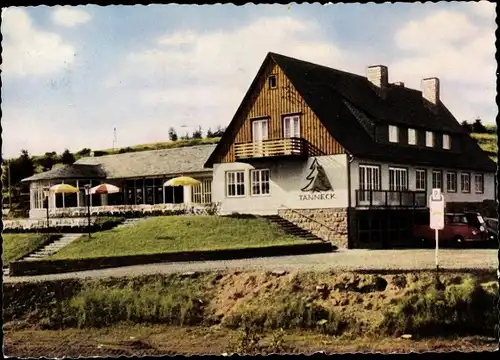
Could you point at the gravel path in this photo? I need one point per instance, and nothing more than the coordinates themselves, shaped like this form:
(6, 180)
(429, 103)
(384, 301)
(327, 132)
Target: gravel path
(341, 260)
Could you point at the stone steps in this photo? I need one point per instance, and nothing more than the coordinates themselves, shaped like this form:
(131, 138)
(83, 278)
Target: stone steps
(52, 248)
(128, 223)
(290, 228)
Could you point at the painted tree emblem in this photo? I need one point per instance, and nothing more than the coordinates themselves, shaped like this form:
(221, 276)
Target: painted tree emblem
(318, 181)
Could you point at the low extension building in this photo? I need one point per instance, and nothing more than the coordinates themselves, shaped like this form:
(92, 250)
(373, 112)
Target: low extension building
(139, 175)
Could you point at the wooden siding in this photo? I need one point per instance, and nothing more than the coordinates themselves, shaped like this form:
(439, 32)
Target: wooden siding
(274, 104)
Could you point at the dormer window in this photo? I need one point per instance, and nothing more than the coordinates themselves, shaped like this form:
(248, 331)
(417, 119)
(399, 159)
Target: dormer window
(446, 142)
(429, 139)
(272, 81)
(393, 134)
(412, 137)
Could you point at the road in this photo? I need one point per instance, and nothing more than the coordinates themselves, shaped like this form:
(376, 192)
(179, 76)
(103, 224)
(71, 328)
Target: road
(341, 260)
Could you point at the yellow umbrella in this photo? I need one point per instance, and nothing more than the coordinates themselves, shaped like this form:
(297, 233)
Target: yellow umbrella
(182, 181)
(63, 189)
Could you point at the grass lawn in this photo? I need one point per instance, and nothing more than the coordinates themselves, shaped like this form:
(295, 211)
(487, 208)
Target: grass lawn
(179, 233)
(15, 246)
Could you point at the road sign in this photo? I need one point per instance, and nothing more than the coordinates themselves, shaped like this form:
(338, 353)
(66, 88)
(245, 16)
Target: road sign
(436, 194)
(436, 207)
(436, 211)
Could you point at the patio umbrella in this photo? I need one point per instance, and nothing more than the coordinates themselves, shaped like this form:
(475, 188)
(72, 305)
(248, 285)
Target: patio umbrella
(104, 189)
(60, 189)
(63, 189)
(181, 181)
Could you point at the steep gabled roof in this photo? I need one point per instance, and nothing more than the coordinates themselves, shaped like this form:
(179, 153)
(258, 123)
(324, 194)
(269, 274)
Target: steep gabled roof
(73, 171)
(349, 106)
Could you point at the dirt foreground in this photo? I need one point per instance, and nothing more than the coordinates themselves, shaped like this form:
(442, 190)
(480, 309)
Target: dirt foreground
(251, 313)
(165, 340)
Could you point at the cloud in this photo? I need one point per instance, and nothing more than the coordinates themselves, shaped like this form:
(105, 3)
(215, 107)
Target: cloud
(458, 48)
(441, 29)
(202, 76)
(30, 51)
(69, 16)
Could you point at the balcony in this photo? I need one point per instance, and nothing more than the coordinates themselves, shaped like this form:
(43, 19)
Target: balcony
(271, 148)
(389, 198)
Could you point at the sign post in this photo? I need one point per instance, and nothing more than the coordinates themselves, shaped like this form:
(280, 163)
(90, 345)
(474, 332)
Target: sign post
(436, 207)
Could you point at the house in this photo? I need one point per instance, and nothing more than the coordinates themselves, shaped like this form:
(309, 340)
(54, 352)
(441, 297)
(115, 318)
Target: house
(139, 175)
(352, 158)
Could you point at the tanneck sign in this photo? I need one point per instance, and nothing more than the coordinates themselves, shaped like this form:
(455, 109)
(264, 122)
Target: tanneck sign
(318, 187)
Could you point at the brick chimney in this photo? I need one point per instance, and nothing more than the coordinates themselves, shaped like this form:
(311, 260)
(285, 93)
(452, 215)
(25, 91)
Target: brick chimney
(430, 90)
(378, 76)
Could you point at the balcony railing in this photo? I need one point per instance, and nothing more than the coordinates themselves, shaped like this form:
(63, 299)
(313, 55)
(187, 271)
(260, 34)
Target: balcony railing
(389, 198)
(270, 148)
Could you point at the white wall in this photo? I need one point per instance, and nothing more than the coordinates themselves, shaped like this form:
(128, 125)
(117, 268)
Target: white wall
(489, 181)
(287, 178)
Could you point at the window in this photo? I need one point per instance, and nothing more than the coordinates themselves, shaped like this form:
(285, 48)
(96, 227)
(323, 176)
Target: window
(429, 139)
(272, 82)
(479, 183)
(412, 137)
(398, 179)
(393, 134)
(291, 126)
(465, 182)
(260, 182)
(420, 180)
(235, 182)
(446, 142)
(149, 185)
(451, 182)
(437, 179)
(202, 193)
(369, 177)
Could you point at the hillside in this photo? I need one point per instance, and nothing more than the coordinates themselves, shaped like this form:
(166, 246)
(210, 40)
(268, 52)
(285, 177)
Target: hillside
(488, 142)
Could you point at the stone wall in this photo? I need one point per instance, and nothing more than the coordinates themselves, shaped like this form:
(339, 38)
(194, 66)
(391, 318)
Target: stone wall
(329, 224)
(487, 208)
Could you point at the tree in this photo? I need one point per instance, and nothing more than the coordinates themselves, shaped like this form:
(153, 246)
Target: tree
(47, 161)
(219, 132)
(185, 137)
(197, 134)
(172, 134)
(67, 158)
(21, 167)
(478, 126)
(318, 181)
(210, 134)
(84, 152)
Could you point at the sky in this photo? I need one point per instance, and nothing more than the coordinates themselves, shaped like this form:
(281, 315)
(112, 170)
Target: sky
(71, 75)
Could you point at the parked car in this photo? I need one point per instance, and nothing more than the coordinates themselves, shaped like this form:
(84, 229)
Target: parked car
(459, 228)
(492, 228)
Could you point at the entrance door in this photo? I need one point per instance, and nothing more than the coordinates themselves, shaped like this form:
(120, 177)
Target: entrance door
(291, 129)
(259, 134)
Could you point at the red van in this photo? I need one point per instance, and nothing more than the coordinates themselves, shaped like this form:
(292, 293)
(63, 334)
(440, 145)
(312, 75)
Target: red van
(458, 229)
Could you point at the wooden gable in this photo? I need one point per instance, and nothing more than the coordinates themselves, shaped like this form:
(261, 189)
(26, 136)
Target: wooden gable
(274, 104)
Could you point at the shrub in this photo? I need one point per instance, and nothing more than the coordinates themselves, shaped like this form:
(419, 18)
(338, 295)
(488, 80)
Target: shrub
(289, 314)
(459, 309)
(103, 305)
